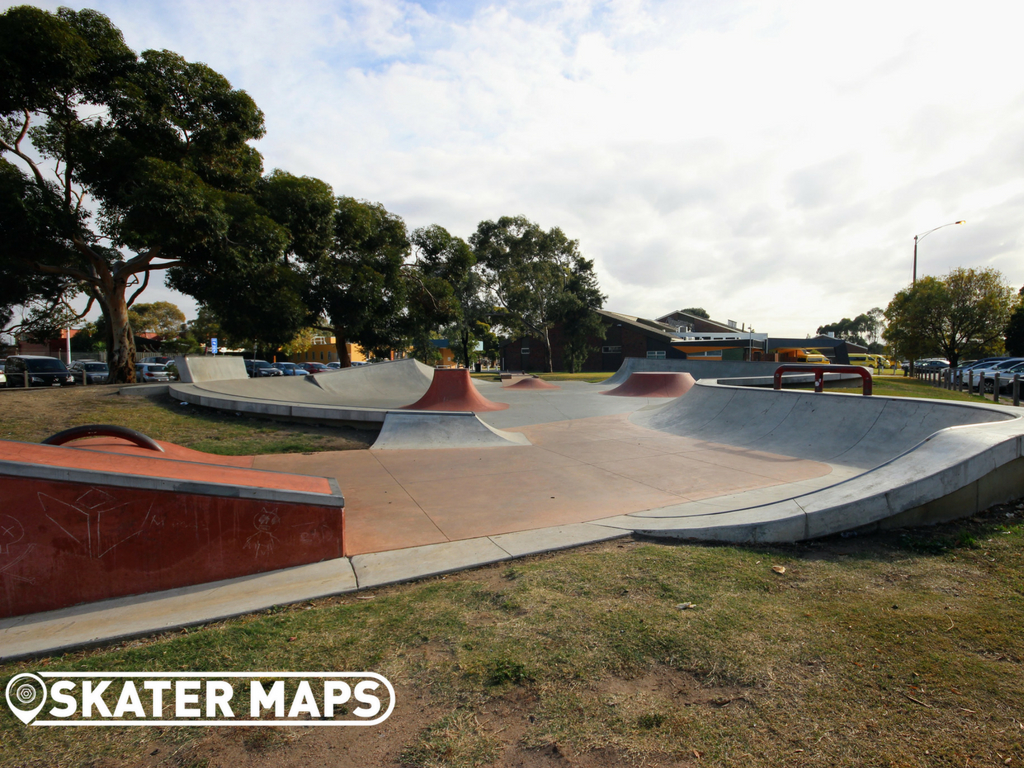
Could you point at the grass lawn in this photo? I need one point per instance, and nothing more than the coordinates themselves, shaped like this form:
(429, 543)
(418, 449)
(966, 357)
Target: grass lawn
(32, 416)
(891, 649)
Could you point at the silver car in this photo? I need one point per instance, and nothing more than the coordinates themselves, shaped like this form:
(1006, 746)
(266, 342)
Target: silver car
(151, 373)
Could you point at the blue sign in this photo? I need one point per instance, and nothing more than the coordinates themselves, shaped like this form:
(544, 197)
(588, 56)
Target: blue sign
(213, 345)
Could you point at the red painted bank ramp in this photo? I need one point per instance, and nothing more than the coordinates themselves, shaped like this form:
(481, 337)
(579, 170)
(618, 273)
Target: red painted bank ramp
(531, 383)
(452, 390)
(653, 385)
(110, 519)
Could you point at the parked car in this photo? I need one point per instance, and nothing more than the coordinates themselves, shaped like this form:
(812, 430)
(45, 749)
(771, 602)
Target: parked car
(259, 368)
(987, 374)
(151, 373)
(42, 371)
(89, 372)
(316, 367)
(3, 379)
(289, 369)
(932, 364)
(162, 360)
(1006, 378)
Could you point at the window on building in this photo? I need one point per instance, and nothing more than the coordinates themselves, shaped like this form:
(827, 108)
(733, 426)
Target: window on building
(612, 350)
(524, 351)
(656, 354)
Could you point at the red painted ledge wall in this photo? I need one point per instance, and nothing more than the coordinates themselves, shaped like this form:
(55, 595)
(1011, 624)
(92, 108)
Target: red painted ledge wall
(63, 543)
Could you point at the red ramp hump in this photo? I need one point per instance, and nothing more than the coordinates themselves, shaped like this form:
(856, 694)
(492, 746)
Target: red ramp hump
(653, 385)
(452, 390)
(532, 383)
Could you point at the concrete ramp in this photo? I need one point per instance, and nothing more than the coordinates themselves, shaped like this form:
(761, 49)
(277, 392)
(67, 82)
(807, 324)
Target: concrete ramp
(381, 385)
(193, 369)
(394, 381)
(848, 430)
(418, 431)
(452, 390)
(531, 383)
(699, 369)
(653, 384)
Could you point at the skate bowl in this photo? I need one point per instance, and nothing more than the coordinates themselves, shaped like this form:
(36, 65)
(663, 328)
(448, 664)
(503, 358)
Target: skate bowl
(653, 384)
(896, 462)
(107, 518)
(452, 390)
(531, 383)
(849, 430)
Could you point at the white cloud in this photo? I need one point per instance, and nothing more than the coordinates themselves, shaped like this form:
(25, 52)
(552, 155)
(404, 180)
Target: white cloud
(768, 161)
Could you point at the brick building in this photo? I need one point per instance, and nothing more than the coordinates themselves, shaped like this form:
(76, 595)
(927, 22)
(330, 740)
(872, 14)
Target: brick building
(625, 336)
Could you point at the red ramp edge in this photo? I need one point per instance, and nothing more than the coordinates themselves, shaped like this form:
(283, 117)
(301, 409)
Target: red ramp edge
(452, 390)
(532, 383)
(654, 385)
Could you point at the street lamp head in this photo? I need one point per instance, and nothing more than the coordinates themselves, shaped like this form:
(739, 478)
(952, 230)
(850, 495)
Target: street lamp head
(962, 221)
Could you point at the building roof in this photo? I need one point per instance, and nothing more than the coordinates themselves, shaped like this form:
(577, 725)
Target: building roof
(653, 327)
(681, 315)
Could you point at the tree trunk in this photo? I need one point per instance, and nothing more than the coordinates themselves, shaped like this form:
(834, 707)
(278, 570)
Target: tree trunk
(121, 352)
(465, 347)
(344, 358)
(547, 347)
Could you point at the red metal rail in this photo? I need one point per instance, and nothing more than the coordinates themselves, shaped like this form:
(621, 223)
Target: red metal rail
(819, 372)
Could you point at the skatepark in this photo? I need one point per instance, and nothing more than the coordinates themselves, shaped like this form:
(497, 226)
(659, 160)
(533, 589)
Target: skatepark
(465, 472)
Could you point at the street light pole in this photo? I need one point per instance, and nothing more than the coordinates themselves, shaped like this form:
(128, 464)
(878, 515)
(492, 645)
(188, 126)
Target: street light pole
(922, 237)
(914, 281)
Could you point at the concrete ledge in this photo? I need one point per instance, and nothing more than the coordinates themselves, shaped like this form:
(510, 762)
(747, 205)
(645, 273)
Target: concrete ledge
(381, 568)
(126, 617)
(144, 390)
(312, 414)
(523, 543)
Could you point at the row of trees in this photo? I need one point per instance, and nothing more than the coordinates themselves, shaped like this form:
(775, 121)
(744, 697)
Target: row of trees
(968, 313)
(115, 167)
(865, 329)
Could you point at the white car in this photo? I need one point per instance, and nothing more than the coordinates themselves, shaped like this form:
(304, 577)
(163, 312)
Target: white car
(988, 374)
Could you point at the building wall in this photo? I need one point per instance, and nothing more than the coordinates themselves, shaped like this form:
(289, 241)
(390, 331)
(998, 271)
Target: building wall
(324, 350)
(621, 340)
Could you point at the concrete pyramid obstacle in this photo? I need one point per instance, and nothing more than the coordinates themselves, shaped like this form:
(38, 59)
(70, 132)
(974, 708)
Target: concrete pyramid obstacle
(653, 385)
(452, 390)
(532, 383)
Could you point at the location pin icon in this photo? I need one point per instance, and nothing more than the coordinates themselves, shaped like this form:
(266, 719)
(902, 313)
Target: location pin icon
(23, 691)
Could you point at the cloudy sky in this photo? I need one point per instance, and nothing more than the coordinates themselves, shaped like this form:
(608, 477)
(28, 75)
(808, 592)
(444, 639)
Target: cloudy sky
(770, 162)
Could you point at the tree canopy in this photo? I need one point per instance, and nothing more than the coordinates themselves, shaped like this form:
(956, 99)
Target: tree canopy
(964, 313)
(115, 165)
(355, 284)
(1014, 333)
(864, 329)
(536, 279)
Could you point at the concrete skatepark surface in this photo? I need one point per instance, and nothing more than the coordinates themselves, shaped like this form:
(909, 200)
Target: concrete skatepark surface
(569, 466)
